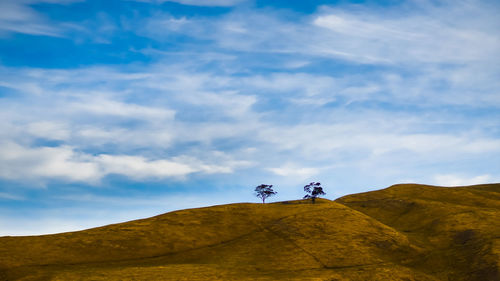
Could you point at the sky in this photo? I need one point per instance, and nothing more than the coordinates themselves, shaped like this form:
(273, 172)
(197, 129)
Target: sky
(118, 110)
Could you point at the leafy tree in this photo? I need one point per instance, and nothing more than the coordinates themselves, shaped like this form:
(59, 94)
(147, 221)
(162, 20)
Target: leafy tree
(313, 190)
(263, 191)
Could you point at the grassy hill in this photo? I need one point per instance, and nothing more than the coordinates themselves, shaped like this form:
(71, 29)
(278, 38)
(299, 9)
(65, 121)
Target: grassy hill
(458, 229)
(404, 232)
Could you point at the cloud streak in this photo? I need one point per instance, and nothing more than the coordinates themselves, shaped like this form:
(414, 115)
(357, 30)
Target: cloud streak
(209, 3)
(64, 163)
(19, 17)
(459, 180)
(411, 33)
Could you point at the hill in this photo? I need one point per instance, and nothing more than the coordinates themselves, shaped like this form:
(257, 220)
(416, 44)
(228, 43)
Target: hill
(458, 229)
(404, 232)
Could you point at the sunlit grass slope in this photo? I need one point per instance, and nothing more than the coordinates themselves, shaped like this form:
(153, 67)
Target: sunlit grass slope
(406, 232)
(458, 229)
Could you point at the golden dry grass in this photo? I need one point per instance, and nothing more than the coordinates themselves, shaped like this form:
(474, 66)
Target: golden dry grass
(458, 229)
(405, 232)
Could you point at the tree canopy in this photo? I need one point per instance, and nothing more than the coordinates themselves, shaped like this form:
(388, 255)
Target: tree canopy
(313, 191)
(263, 191)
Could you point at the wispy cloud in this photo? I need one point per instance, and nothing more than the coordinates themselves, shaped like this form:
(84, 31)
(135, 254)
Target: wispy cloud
(460, 180)
(8, 196)
(425, 55)
(126, 110)
(222, 3)
(19, 17)
(292, 171)
(416, 32)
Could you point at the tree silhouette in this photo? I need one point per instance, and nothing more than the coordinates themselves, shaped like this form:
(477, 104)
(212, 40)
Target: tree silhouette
(263, 191)
(313, 190)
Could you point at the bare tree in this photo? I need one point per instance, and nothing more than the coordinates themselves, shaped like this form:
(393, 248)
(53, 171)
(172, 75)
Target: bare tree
(263, 191)
(313, 191)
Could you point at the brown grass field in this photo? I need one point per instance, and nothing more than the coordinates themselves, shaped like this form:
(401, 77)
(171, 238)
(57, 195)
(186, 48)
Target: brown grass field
(404, 232)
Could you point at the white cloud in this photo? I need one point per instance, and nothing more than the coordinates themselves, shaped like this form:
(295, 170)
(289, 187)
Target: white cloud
(220, 163)
(460, 180)
(18, 162)
(120, 109)
(428, 56)
(8, 196)
(174, 24)
(224, 3)
(137, 167)
(59, 2)
(292, 64)
(406, 34)
(48, 130)
(362, 28)
(18, 16)
(294, 171)
(123, 138)
(303, 83)
(230, 103)
(64, 163)
(373, 146)
(418, 36)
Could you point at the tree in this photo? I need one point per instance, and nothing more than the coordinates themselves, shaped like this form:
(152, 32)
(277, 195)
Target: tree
(263, 191)
(313, 190)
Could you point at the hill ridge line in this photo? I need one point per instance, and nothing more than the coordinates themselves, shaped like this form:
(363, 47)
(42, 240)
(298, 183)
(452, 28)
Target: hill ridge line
(398, 234)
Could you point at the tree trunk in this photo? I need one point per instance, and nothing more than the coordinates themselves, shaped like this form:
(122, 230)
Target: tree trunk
(263, 199)
(313, 199)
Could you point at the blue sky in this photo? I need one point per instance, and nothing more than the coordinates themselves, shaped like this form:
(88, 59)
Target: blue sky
(117, 110)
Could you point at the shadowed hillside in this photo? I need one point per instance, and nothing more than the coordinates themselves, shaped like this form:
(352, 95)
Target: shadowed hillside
(405, 232)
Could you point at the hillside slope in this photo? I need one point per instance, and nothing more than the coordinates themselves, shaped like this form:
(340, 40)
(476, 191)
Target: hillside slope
(405, 232)
(457, 228)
